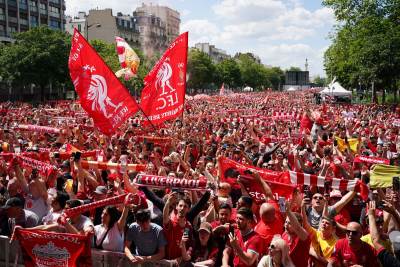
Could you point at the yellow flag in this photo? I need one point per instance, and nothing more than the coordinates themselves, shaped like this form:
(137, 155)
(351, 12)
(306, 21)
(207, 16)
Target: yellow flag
(381, 175)
(352, 144)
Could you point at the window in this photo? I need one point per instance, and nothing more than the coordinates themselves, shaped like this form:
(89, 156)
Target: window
(79, 27)
(55, 24)
(2, 15)
(34, 21)
(23, 4)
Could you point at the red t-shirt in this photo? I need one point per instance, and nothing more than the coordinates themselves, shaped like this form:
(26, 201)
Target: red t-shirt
(299, 249)
(267, 231)
(347, 256)
(173, 233)
(252, 242)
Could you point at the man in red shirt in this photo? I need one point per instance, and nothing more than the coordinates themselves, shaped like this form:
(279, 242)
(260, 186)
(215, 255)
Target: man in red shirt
(352, 250)
(245, 244)
(176, 225)
(297, 238)
(271, 222)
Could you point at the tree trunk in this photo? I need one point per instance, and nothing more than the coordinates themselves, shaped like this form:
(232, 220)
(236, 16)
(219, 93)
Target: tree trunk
(373, 93)
(383, 96)
(395, 94)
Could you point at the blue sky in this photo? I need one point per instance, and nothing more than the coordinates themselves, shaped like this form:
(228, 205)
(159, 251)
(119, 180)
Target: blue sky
(281, 32)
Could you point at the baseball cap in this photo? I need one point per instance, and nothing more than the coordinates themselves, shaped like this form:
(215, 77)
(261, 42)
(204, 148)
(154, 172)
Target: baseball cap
(101, 190)
(13, 202)
(206, 227)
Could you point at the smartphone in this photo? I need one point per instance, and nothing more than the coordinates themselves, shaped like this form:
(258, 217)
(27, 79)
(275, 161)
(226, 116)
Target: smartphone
(186, 232)
(380, 205)
(396, 184)
(282, 204)
(57, 155)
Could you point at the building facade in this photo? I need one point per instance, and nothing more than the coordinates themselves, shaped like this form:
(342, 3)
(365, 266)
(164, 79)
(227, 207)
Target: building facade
(169, 16)
(152, 32)
(216, 54)
(22, 15)
(78, 22)
(102, 25)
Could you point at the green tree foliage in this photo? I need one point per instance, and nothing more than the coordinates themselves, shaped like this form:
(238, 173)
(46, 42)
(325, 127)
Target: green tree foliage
(228, 72)
(201, 70)
(38, 56)
(366, 44)
(294, 69)
(319, 81)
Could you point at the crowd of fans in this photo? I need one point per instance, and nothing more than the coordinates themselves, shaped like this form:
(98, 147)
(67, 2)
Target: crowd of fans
(222, 225)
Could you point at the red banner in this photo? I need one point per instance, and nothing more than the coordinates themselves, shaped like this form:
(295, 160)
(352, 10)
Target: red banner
(164, 92)
(101, 94)
(41, 248)
(278, 181)
(166, 182)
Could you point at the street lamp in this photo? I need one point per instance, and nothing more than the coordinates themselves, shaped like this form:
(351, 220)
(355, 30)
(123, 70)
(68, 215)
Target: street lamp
(97, 25)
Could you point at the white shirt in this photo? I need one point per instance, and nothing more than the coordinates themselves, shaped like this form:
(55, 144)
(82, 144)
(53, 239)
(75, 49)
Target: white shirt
(114, 240)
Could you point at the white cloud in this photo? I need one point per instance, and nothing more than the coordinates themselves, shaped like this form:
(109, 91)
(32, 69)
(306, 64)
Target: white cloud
(200, 30)
(248, 10)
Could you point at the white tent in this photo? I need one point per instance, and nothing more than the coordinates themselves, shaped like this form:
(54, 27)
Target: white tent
(248, 89)
(291, 89)
(335, 89)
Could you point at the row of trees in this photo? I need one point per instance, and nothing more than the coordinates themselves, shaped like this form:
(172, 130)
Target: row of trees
(365, 51)
(40, 56)
(242, 70)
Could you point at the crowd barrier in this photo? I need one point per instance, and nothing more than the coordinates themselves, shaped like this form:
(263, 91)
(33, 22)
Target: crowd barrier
(10, 256)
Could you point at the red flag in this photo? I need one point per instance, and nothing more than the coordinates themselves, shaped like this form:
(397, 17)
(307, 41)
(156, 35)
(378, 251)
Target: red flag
(278, 181)
(41, 248)
(101, 94)
(164, 92)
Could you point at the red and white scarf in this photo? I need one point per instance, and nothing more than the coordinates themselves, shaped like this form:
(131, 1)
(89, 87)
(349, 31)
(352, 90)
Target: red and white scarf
(97, 165)
(300, 178)
(167, 182)
(38, 128)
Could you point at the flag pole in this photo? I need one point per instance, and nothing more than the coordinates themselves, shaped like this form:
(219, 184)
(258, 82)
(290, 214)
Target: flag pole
(147, 117)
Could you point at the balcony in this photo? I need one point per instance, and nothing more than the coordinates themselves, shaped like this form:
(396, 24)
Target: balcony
(57, 2)
(12, 3)
(2, 17)
(43, 12)
(23, 21)
(13, 19)
(33, 8)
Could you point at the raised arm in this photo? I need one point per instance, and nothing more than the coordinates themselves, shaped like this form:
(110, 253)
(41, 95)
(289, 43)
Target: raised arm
(338, 206)
(298, 229)
(265, 187)
(166, 211)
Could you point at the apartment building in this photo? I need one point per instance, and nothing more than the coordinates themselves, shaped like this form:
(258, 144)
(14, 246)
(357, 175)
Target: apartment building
(22, 15)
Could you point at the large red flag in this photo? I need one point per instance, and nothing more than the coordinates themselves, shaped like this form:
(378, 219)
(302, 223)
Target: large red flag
(164, 92)
(102, 95)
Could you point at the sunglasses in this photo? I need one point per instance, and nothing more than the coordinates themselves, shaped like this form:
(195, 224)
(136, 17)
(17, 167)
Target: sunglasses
(349, 232)
(320, 198)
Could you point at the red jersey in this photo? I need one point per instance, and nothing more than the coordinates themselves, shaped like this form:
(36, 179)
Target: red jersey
(251, 242)
(346, 256)
(299, 249)
(173, 233)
